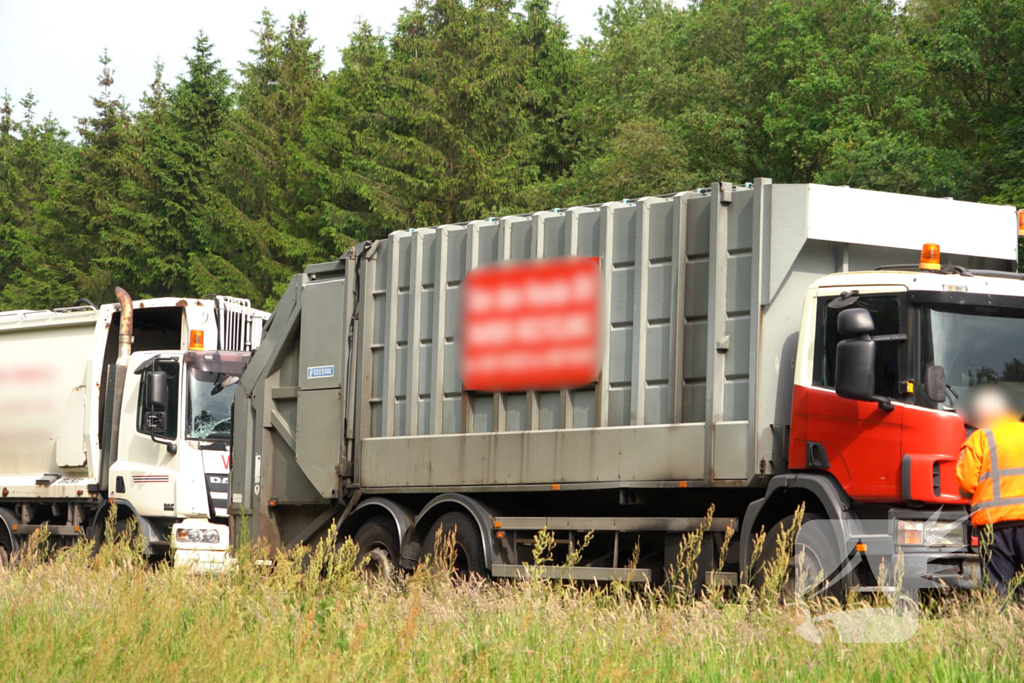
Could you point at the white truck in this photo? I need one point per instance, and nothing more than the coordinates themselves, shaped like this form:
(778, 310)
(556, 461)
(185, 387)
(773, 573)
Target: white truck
(100, 408)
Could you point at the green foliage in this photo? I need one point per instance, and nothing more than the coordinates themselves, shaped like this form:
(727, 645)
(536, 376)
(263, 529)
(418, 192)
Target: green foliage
(224, 183)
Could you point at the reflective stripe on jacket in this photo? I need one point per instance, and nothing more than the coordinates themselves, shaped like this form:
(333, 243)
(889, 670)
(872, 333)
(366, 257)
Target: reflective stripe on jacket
(991, 469)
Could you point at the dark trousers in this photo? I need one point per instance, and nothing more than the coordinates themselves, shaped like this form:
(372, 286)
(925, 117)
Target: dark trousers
(1007, 556)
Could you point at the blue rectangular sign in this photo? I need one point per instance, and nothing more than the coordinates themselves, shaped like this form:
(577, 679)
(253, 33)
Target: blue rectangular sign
(319, 371)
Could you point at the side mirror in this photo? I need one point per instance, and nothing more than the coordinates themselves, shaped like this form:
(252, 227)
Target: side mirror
(855, 368)
(935, 383)
(156, 391)
(154, 420)
(855, 322)
(154, 423)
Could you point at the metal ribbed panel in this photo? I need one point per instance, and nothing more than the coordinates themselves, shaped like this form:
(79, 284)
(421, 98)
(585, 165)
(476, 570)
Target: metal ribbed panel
(239, 326)
(679, 285)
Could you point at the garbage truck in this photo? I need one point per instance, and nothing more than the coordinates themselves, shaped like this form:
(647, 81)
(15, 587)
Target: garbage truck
(126, 407)
(758, 348)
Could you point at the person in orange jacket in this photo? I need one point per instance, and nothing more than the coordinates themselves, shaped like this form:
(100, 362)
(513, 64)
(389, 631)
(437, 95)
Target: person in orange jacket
(990, 472)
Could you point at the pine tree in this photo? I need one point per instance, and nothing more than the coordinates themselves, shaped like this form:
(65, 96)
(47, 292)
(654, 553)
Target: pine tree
(337, 123)
(266, 170)
(146, 255)
(449, 137)
(88, 211)
(34, 162)
(552, 84)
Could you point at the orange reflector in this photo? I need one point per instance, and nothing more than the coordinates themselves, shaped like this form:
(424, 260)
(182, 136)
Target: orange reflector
(195, 340)
(682, 484)
(497, 524)
(273, 502)
(14, 527)
(1020, 223)
(911, 537)
(500, 534)
(862, 548)
(555, 487)
(930, 257)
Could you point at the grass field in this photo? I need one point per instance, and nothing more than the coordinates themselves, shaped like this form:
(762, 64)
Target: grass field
(108, 617)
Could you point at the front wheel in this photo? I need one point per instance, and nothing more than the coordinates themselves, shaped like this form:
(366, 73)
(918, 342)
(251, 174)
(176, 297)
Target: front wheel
(812, 562)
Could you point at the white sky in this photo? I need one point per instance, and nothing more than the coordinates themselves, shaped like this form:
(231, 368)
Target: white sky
(52, 46)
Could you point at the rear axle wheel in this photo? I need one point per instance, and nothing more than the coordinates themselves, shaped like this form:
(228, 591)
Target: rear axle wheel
(378, 546)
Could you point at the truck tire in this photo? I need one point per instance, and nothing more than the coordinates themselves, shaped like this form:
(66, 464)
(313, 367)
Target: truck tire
(469, 548)
(376, 540)
(813, 548)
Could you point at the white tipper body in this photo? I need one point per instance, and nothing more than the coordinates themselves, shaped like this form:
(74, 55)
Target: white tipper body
(51, 376)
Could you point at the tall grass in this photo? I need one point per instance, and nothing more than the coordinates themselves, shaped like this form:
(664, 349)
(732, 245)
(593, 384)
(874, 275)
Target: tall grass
(314, 616)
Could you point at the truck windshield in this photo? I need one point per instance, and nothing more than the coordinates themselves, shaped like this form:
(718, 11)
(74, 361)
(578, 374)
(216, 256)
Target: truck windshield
(209, 409)
(975, 345)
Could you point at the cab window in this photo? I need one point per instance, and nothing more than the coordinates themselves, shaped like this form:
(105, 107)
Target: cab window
(886, 312)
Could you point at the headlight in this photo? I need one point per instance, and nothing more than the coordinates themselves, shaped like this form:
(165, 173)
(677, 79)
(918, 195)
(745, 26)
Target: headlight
(920, 532)
(198, 536)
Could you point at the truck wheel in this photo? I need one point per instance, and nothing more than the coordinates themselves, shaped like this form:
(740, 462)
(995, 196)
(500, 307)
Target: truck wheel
(469, 548)
(376, 541)
(6, 548)
(813, 550)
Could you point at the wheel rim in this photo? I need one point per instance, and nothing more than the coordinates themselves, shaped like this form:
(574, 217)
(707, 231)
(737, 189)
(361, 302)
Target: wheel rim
(461, 564)
(379, 563)
(805, 568)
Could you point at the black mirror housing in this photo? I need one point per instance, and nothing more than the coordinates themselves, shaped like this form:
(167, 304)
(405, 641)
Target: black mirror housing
(855, 368)
(855, 322)
(935, 383)
(154, 422)
(156, 391)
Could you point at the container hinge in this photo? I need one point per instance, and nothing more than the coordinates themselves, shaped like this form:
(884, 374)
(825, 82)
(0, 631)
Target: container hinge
(723, 344)
(345, 469)
(726, 196)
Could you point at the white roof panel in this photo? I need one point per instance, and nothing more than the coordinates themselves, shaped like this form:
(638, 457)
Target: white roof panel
(886, 219)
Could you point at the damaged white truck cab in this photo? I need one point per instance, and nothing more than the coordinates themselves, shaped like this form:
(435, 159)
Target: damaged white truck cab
(101, 408)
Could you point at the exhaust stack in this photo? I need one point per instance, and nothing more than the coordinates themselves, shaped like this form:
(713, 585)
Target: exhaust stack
(120, 371)
(126, 329)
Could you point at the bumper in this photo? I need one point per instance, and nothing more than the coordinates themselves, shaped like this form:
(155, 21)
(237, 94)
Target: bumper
(936, 570)
(201, 557)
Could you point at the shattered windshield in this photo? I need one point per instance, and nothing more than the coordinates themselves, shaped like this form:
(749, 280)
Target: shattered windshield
(975, 346)
(209, 409)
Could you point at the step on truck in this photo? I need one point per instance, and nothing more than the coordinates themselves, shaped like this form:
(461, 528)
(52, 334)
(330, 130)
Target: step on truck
(758, 348)
(128, 404)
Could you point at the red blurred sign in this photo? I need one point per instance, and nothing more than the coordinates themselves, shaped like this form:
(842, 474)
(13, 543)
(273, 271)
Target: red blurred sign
(531, 325)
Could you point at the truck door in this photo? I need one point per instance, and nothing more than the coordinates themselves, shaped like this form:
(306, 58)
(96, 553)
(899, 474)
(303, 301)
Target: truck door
(858, 442)
(145, 473)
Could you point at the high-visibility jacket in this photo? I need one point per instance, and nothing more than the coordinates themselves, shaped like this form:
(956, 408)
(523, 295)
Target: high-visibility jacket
(991, 469)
